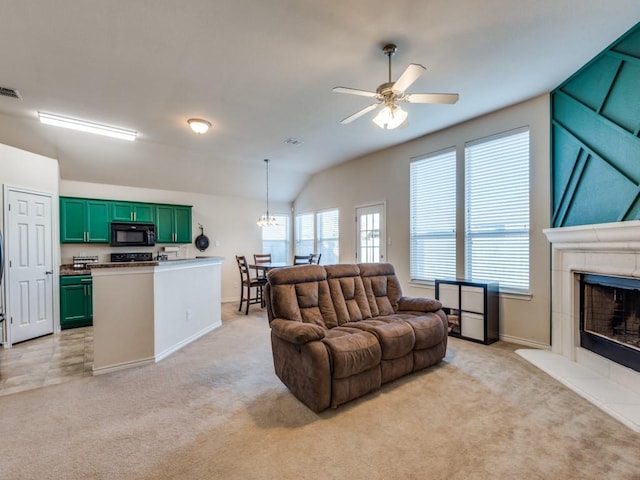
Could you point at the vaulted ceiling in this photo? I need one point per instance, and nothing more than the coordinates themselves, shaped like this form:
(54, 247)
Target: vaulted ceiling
(262, 73)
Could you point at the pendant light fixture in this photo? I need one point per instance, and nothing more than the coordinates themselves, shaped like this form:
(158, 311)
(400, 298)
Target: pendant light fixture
(267, 220)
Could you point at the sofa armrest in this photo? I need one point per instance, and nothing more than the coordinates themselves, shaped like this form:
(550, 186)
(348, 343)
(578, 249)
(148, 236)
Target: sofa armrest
(419, 304)
(296, 332)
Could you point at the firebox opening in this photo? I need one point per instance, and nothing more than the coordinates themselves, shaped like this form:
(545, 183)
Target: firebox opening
(610, 318)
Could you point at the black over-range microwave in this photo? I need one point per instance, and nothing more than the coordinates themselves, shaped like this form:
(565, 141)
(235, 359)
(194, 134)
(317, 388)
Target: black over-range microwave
(132, 234)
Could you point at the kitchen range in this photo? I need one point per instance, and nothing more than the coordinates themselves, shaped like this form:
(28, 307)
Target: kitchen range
(131, 257)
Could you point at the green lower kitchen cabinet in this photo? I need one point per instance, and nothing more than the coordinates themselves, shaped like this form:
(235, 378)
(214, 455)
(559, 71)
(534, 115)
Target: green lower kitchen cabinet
(76, 303)
(173, 224)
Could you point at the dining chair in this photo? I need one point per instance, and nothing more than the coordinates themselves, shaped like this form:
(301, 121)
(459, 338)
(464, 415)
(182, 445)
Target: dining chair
(314, 258)
(247, 283)
(302, 259)
(259, 258)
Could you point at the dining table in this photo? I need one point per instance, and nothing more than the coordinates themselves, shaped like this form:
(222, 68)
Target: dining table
(265, 267)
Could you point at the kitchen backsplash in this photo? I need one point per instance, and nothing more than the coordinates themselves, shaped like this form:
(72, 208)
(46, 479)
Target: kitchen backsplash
(103, 251)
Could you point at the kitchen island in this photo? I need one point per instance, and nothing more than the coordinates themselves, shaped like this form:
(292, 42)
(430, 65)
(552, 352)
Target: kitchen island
(145, 311)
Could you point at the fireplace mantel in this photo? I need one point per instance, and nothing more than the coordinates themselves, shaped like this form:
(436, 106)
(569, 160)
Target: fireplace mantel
(609, 249)
(616, 236)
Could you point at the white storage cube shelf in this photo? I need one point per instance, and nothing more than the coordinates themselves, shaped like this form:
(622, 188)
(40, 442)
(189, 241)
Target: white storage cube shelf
(472, 299)
(472, 325)
(472, 307)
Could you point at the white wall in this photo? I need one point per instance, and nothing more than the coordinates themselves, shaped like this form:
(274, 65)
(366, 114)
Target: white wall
(30, 171)
(231, 221)
(384, 176)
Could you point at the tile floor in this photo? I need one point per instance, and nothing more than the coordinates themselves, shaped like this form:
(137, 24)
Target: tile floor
(46, 360)
(618, 400)
(62, 357)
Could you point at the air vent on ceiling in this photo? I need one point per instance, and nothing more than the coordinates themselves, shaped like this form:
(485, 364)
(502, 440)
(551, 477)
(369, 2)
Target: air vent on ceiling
(293, 141)
(10, 92)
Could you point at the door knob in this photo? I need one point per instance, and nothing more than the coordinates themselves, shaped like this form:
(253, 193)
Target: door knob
(49, 272)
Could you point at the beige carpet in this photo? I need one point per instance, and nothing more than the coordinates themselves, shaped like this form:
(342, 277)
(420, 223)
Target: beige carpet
(215, 410)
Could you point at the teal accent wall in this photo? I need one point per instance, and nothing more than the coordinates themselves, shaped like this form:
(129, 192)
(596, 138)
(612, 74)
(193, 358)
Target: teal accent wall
(595, 139)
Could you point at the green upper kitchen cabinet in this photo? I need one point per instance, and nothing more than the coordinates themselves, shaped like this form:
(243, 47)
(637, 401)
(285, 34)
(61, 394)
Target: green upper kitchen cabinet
(132, 212)
(173, 224)
(84, 220)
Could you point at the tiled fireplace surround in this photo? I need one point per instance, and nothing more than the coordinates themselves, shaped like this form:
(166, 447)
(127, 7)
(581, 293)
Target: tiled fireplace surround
(608, 249)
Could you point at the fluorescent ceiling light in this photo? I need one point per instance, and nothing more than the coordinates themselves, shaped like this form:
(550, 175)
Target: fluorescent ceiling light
(85, 126)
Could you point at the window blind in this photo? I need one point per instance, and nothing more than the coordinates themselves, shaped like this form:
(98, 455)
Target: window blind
(304, 234)
(432, 207)
(328, 236)
(275, 239)
(497, 209)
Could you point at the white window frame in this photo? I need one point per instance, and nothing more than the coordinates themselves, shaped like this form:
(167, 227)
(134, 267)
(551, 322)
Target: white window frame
(305, 226)
(497, 209)
(506, 256)
(276, 240)
(433, 216)
(328, 246)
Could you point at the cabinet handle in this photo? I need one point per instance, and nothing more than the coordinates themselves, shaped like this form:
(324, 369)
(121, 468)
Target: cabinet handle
(86, 280)
(133, 214)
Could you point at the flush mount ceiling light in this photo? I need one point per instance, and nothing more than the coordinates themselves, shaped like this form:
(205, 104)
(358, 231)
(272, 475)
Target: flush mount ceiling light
(85, 126)
(267, 220)
(199, 125)
(390, 93)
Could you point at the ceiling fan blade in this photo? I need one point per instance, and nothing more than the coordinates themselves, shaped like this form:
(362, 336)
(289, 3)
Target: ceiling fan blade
(358, 114)
(431, 97)
(410, 75)
(354, 91)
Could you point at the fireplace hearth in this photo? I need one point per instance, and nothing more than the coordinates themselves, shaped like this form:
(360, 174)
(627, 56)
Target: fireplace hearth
(608, 250)
(610, 318)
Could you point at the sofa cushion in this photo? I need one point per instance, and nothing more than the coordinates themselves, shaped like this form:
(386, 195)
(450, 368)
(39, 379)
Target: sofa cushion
(351, 351)
(381, 286)
(418, 305)
(302, 294)
(428, 328)
(396, 338)
(297, 332)
(347, 292)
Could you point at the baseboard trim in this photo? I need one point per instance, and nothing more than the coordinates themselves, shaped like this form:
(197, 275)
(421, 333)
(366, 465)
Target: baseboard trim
(156, 358)
(174, 348)
(122, 366)
(525, 342)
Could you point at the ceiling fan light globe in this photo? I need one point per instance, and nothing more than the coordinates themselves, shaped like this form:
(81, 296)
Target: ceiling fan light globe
(390, 117)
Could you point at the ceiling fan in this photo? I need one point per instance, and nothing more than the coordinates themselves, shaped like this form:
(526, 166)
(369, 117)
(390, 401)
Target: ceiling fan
(390, 93)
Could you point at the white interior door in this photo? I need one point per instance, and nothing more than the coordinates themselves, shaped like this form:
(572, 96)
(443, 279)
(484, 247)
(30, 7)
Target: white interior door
(29, 245)
(371, 234)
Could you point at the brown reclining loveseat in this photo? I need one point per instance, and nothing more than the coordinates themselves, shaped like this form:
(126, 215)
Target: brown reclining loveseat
(341, 331)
